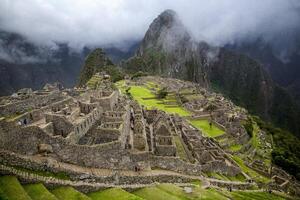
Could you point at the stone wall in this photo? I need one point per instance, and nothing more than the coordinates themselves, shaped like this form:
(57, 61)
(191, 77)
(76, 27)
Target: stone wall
(107, 103)
(84, 126)
(36, 101)
(26, 141)
(61, 126)
(175, 164)
(221, 167)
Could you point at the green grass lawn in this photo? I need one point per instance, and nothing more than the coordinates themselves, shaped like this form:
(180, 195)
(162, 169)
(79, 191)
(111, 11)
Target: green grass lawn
(38, 191)
(240, 195)
(173, 192)
(121, 85)
(235, 147)
(69, 193)
(12, 188)
(113, 194)
(154, 193)
(219, 176)
(152, 85)
(253, 174)
(254, 139)
(180, 149)
(139, 93)
(203, 125)
(3, 195)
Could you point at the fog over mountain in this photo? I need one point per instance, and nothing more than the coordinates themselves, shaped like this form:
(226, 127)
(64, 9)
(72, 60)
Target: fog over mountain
(118, 22)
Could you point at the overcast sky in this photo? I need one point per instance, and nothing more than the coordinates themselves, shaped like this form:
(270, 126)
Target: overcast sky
(106, 22)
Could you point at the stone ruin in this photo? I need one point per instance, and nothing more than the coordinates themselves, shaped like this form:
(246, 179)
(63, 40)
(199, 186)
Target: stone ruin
(101, 130)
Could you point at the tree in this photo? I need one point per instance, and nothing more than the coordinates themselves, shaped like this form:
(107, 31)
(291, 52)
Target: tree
(162, 93)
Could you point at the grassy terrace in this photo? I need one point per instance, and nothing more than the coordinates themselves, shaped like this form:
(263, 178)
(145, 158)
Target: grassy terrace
(69, 193)
(173, 192)
(256, 176)
(210, 131)
(235, 147)
(180, 149)
(219, 176)
(11, 189)
(113, 194)
(39, 191)
(145, 97)
(93, 82)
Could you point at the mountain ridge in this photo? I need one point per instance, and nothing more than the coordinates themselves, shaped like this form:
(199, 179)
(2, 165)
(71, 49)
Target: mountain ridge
(240, 77)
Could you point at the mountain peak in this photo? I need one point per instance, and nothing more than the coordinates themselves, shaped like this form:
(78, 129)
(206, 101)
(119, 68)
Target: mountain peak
(167, 17)
(165, 32)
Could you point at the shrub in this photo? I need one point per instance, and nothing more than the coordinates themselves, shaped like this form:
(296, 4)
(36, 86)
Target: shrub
(286, 148)
(138, 74)
(162, 93)
(248, 125)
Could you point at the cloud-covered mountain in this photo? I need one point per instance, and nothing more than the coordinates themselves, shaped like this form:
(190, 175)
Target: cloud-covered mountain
(169, 50)
(284, 69)
(25, 64)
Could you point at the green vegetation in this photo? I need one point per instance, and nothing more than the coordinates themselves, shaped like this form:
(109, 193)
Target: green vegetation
(59, 175)
(3, 195)
(254, 140)
(12, 188)
(173, 192)
(180, 149)
(38, 191)
(152, 85)
(138, 74)
(219, 176)
(146, 98)
(248, 125)
(122, 86)
(286, 148)
(253, 174)
(162, 93)
(152, 62)
(150, 193)
(115, 73)
(94, 82)
(235, 147)
(69, 193)
(206, 128)
(94, 63)
(113, 194)
(239, 195)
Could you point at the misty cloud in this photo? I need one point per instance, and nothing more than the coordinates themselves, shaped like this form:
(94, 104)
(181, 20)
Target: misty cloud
(117, 22)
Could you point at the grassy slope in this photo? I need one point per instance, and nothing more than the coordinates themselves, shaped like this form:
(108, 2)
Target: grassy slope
(38, 191)
(238, 177)
(3, 195)
(151, 193)
(235, 147)
(173, 192)
(239, 195)
(180, 149)
(12, 188)
(203, 125)
(69, 193)
(249, 171)
(113, 194)
(140, 92)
